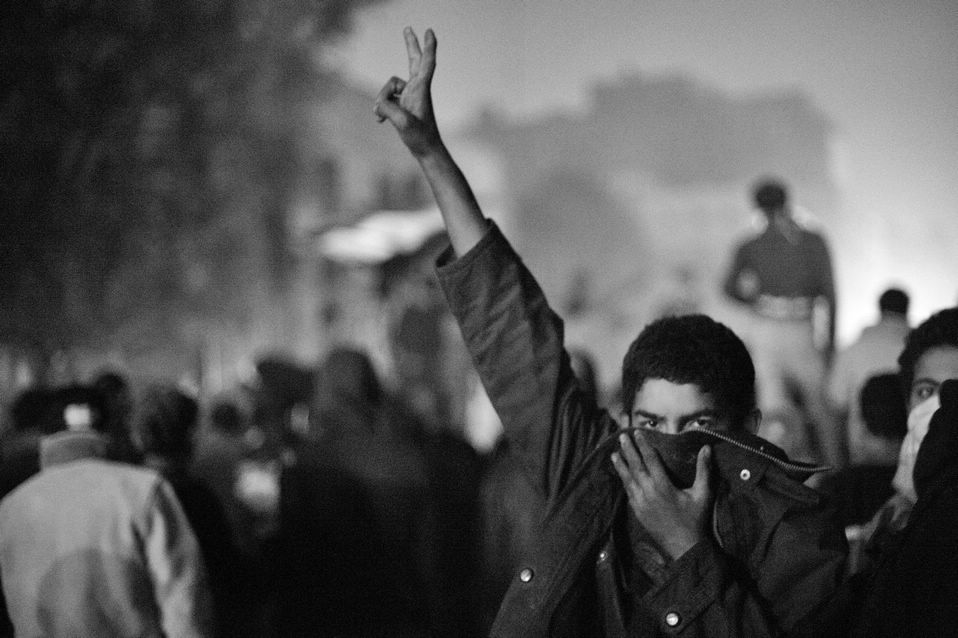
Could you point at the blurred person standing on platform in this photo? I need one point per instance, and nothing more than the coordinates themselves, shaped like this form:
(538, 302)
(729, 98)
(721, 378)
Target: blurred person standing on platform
(782, 274)
(874, 352)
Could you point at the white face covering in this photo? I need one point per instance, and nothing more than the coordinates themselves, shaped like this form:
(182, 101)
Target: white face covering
(918, 420)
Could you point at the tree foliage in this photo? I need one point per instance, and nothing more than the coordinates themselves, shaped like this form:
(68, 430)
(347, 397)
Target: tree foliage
(148, 152)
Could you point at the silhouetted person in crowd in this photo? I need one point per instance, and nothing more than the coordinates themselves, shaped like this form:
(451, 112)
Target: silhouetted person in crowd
(355, 540)
(874, 352)
(164, 423)
(221, 446)
(858, 490)
(780, 275)
(19, 447)
(117, 398)
(680, 522)
(20, 455)
(91, 547)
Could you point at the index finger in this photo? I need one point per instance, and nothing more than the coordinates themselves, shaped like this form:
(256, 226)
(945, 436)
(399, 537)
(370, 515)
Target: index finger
(653, 463)
(412, 50)
(384, 101)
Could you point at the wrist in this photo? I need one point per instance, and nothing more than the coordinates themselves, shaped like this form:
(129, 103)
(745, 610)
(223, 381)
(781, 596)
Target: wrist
(678, 544)
(432, 153)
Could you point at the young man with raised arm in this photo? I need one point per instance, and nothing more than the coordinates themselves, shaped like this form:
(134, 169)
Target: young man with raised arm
(677, 521)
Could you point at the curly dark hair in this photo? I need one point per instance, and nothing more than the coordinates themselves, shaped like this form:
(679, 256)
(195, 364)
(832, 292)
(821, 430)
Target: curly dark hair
(164, 420)
(693, 349)
(940, 329)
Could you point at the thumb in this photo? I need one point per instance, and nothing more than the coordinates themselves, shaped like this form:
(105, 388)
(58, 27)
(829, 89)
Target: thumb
(702, 488)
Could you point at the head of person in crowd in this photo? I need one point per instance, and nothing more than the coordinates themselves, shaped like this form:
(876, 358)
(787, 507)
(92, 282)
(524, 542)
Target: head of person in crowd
(894, 301)
(771, 197)
(226, 416)
(77, 408)
(164, 421)
(117, 396)
(116, 393)
(73, 419)
(689, 372)
(28, 409)
(882, 404)
(930, 356)
(348, 394)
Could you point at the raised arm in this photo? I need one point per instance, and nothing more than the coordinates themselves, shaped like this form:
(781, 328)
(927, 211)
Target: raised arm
(407, 104)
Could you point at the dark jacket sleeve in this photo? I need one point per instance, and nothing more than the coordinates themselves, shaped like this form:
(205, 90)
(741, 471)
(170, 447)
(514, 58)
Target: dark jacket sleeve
(516, 343)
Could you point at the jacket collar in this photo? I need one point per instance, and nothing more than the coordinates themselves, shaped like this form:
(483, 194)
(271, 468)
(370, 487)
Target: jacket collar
(66, 447)
(678, 452)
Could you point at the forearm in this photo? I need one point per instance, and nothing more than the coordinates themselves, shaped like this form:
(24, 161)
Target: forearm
(463, 218)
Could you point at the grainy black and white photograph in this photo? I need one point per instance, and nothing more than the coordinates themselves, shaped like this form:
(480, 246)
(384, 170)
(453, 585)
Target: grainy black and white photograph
(508, 318)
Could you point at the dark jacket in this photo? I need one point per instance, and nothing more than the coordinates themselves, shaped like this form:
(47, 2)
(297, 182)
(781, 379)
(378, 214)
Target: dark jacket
(776, 554)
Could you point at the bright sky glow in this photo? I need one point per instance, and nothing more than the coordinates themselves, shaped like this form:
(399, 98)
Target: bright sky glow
(885, 72)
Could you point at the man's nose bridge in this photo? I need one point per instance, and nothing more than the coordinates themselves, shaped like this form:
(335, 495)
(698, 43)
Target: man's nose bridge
(672, 426)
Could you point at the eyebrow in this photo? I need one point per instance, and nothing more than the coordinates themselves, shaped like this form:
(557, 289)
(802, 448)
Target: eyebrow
(685, 418)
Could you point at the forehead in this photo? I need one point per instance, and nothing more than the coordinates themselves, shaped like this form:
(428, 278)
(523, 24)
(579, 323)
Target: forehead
(937, 364)
(660, 396)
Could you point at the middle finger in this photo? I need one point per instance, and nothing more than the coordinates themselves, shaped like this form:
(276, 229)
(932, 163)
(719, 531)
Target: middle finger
(631, 454)
(412, 50)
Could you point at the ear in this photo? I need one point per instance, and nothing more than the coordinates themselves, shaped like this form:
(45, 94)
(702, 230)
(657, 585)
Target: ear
(752, 420)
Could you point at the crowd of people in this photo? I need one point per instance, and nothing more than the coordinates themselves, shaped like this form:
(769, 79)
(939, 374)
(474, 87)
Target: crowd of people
(141, 511)
(761, 484)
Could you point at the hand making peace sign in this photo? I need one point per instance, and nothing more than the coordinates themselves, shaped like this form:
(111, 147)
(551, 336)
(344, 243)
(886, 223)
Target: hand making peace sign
(407, 104)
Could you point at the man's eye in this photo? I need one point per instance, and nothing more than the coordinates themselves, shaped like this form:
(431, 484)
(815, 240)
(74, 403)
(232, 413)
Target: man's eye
(647, 423)
(923, 391)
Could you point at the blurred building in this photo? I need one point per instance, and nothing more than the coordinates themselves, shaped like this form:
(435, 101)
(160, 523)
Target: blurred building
(611, 208)
(642, 196)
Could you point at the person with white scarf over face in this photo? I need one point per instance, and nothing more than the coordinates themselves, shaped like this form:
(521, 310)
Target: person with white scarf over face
(908, 584)
(930, 358)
